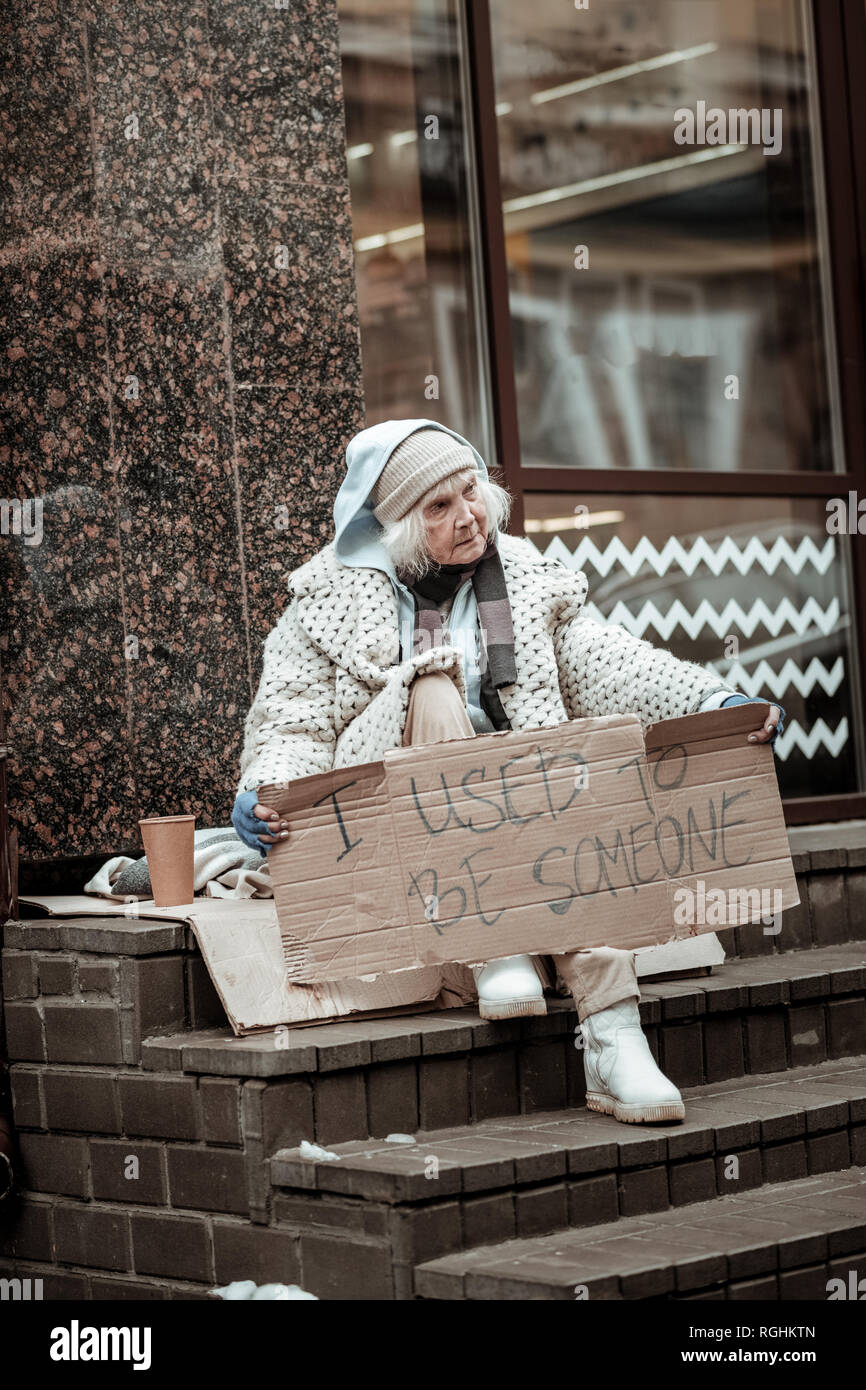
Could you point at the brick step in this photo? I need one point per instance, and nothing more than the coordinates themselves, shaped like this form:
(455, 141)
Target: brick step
(830, 864)
(86, 990)
(112, 1055)
(430, 1070)
(785, 1241)
(526, 1175)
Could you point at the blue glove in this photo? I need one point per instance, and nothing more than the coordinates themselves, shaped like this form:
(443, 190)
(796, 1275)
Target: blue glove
(754, 700)
(247, 825)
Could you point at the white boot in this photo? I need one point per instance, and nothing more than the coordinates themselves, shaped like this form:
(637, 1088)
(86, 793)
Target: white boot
(509, 988)
(622, 1078)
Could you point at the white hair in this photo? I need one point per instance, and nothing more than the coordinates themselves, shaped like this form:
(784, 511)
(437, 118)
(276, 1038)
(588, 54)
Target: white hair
(406, 540)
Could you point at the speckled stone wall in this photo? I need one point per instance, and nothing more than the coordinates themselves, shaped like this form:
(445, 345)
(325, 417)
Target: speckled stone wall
(181, 375)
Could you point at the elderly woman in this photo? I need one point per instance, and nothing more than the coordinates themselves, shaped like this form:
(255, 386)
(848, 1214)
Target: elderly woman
(423, 620)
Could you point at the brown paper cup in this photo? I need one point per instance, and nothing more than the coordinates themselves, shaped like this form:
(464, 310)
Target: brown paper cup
(169, 843)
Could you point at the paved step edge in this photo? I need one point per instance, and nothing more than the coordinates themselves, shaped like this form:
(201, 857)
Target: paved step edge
(769, 1232)
(759, 1113)
(798, 977)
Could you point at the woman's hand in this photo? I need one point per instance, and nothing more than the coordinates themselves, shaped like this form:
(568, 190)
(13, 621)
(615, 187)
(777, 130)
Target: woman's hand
(773, 724)
(258, 826)
(767, 732)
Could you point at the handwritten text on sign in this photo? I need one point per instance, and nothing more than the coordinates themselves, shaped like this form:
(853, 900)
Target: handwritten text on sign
(535, 841)
(500, 801)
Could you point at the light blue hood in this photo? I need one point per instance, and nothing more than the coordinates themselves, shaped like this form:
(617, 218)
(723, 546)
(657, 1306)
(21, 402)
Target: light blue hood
(357, 538)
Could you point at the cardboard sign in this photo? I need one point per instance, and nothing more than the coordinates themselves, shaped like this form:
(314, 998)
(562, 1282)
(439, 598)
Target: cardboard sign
(539, 841)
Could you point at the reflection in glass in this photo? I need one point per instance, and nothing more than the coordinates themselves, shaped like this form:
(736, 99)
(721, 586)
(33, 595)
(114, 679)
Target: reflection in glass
(760, 596)
(668, 299)
(406, 129)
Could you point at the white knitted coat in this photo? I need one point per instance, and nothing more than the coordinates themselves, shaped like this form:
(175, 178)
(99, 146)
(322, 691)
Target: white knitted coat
(329, 695)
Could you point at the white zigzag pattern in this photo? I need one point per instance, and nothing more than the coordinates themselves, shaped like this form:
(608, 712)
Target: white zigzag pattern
(674, 555)
(732, 615)
(764, 678)
(819, 736)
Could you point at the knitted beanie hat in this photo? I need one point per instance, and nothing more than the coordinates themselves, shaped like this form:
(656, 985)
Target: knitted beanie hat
(424, 458)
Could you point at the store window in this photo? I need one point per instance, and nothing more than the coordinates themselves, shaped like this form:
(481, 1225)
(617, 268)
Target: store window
(752, 588)
(668, 279)
(408, 132)
(669, 286)
(668, 404)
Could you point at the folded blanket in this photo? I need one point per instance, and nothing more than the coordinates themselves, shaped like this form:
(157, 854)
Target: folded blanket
(224, 867)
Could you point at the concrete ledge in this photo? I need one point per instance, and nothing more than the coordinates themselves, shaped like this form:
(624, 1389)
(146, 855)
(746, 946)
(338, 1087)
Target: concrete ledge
(770, 983)
(844, 841)
(111, 936)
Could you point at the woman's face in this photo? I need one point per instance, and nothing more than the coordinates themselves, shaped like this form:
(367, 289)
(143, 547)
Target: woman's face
(456, 523)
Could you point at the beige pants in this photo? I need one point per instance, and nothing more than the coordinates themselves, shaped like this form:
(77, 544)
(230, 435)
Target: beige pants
(598, 977)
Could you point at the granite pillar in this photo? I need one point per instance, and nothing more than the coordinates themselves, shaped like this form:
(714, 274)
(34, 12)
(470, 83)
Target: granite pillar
(180, 376)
